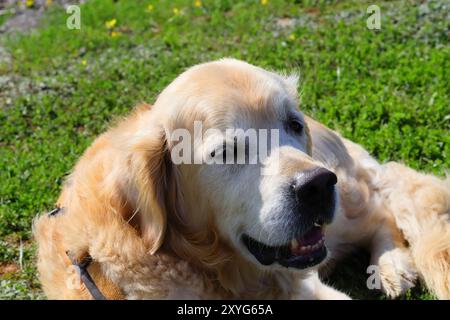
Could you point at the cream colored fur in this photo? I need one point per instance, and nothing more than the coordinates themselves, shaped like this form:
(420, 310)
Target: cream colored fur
(156, 230)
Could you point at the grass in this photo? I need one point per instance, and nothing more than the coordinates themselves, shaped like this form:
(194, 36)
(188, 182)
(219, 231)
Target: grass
(386, 89)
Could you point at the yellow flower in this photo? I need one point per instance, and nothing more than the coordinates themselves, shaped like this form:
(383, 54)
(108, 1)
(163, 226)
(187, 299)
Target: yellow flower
(150, 8)
(29, 3)
(176, 11)
(115, 34)
(48, 2)
(83, 62)
(198, 3)
(111, 23)
(264, 2)
(292, 37)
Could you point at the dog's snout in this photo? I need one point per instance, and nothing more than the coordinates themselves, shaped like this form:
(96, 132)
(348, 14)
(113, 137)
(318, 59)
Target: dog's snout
(315, 182)
(315, 194)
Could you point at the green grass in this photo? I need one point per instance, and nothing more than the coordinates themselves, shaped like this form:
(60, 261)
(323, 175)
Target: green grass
(391, 95)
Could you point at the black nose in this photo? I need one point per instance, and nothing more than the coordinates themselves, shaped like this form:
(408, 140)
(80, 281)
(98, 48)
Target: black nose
(314, 190)
(314, 182)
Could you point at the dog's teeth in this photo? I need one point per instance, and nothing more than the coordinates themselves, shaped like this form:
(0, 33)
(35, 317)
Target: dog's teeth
(316, 224)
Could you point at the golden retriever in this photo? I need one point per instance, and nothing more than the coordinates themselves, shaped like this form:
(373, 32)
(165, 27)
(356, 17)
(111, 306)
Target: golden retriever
(157, 228)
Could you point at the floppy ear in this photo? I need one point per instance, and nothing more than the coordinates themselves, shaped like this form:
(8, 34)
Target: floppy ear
(155, 179)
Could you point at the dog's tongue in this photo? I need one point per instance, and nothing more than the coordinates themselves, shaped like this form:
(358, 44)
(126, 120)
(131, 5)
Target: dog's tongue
(311, 237)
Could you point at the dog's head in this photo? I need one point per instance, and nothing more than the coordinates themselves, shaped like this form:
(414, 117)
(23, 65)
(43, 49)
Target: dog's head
(271, 207)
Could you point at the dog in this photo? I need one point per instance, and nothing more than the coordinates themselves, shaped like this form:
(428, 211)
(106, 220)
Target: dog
(136, 224)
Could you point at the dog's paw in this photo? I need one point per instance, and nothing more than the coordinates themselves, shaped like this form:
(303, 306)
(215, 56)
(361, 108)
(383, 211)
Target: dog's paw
(397, 272)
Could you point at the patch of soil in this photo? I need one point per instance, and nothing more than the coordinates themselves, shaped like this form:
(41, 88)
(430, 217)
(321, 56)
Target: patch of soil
(8, 268)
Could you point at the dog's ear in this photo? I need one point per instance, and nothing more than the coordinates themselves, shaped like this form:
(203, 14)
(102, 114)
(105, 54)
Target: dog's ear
(154, 177)
(308, 139)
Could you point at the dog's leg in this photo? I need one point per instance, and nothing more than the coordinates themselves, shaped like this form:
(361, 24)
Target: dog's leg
(395, 266)
(420, 206)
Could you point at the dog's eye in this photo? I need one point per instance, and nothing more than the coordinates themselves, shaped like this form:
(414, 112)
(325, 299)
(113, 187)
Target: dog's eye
(296, 126)
(221, 152)
(239, 156)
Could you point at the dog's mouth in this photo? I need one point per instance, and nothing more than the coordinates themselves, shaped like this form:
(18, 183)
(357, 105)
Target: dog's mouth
(300, 253)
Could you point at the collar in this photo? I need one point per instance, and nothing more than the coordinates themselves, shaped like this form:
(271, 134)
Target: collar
(82, 266)
(86, 277)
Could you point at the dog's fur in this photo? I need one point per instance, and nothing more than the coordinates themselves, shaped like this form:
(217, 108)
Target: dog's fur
(159, 230)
